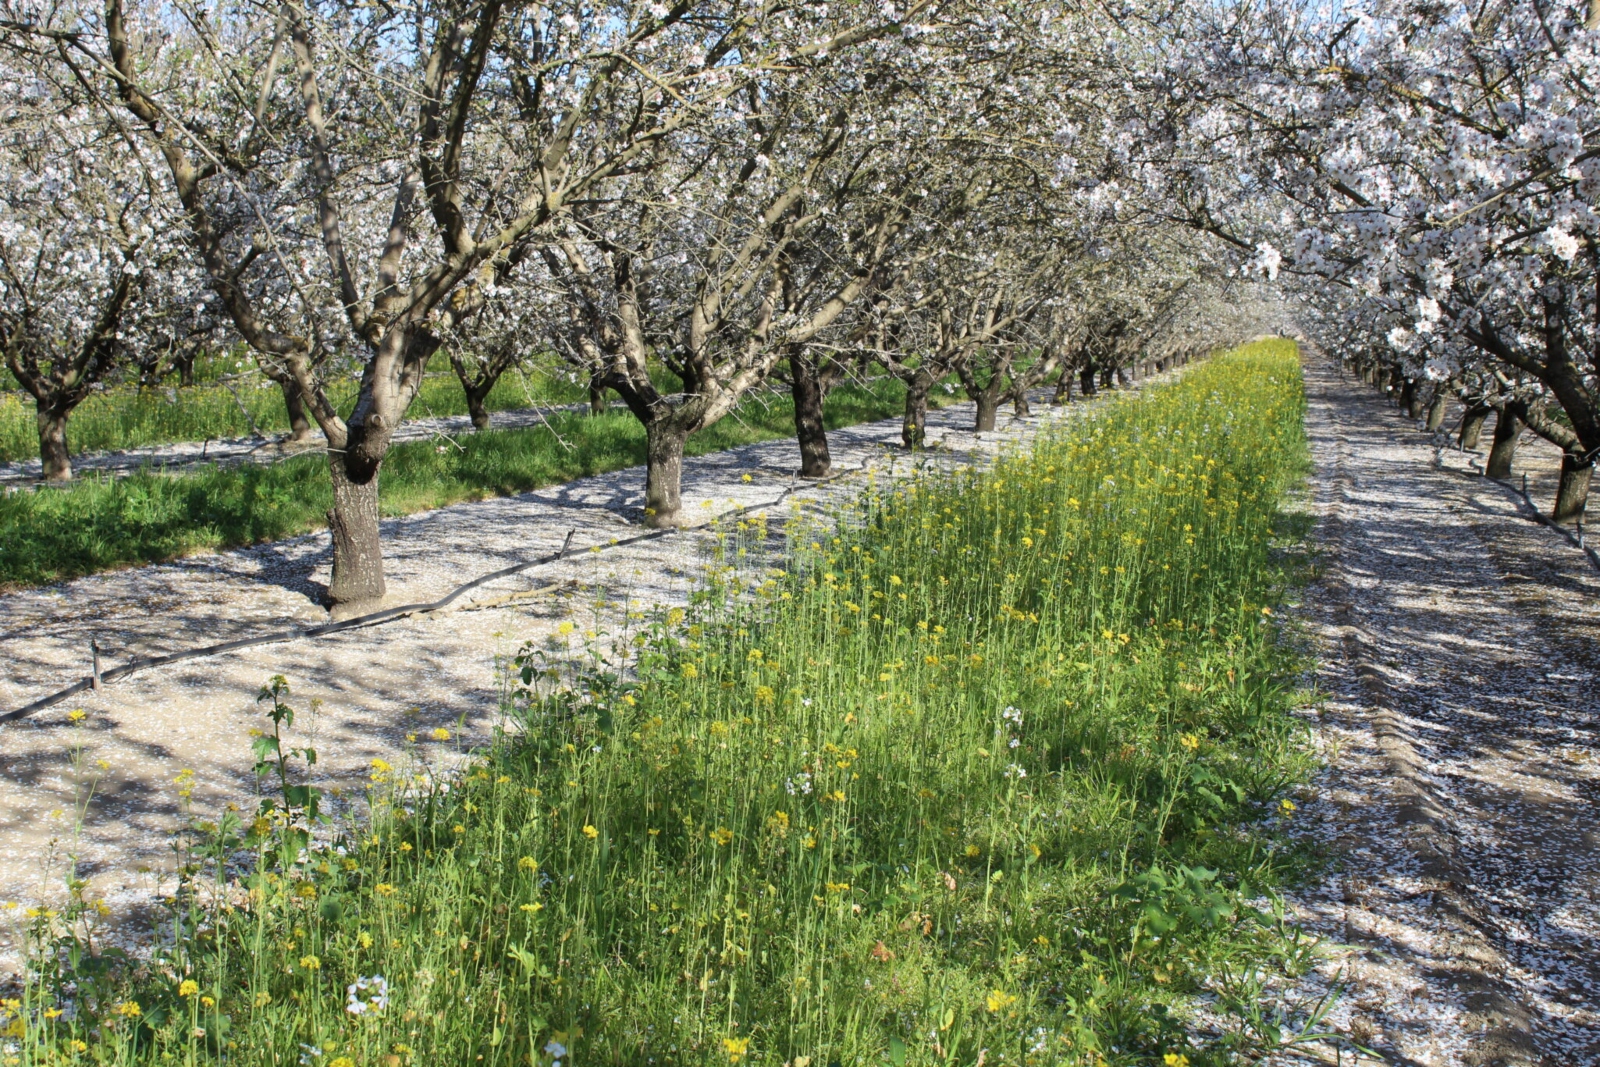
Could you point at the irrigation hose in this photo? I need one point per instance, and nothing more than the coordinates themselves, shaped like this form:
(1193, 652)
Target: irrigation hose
(377, 618)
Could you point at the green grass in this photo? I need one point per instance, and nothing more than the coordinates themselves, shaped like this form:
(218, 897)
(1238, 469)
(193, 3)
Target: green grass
(129, 417)
(102, 523)
(993, 770)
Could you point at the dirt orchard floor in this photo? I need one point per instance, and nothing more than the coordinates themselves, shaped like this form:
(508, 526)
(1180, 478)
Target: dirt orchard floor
(1459, 654)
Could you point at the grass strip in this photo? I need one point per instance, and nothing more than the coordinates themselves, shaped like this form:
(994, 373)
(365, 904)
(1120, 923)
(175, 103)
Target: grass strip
(101, 523)
(129, 416)
(992, 771)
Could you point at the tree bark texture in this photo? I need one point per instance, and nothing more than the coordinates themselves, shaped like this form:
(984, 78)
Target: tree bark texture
(1507, 427)
(598, 405)
(1063, 392)
(477, 409)
(357, 548)
(914, 426)
(54, 459)
(988, 407)
(1408, 398)
(663, 480)
(1472, 425)
(295, 405)
(809, 431)
(1436, 410)
(1572, 493)
(1086, 381)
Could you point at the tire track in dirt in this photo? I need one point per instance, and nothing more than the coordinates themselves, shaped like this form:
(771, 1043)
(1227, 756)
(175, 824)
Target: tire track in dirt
(1462, 726)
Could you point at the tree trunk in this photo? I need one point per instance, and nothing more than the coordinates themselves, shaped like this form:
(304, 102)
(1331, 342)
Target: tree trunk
(357, 581)
(663, 480)
(598, 405)
(476, 408)
(1063, 388)
(53, 457)
(1124, 379)
(1507, 427)
(1436, 409)
(1572, 494)
(988, 407)
(1408, 398)
(1086, 382)
(295, 405)
(809, 431)
(1108, 379)
(1019, 404)
(1472, 425)
(914, 427)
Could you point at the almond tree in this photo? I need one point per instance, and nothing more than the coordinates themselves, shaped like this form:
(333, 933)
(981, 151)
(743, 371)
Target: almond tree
(343, 169)
(91, 280)
(1444, 167)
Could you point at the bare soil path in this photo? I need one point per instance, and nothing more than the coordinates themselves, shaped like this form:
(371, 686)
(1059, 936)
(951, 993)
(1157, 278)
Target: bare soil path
(1459, 653)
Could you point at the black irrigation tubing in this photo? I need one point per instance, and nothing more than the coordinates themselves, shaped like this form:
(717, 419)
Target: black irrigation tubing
(1521, 498)
(379, 617)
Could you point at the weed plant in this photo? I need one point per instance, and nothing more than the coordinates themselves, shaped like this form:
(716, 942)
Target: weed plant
(992, 771)
(101, 523)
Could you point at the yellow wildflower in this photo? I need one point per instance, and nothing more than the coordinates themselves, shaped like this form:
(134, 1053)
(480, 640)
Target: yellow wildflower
(441, 734)
(188, 987)
(999, 1000)
(735, 1047)
(590, 832)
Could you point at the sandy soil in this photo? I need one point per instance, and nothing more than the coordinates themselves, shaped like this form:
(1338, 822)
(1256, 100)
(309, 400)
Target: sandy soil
(1459, 656)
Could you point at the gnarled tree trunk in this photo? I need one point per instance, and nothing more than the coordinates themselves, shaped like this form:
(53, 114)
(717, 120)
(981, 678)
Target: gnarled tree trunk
(1408, 398)
(1436, 409)
(988, 408)
(663, 480)
(54, 459)
(1063, 388)
(914, 426)
(1472, 425)
(476, 408)
(1572, 492)
(1086, 381)
(294, 404)
(809, 431)
(1507, 427)
(598, 404)
(357, 582)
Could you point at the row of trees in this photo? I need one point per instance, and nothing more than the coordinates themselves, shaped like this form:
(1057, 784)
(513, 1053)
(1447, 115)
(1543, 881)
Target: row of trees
(728, 192)
(1426, 180)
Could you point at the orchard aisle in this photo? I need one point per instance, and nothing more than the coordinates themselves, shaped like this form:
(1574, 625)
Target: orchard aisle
(1458, 647)
(362, 691)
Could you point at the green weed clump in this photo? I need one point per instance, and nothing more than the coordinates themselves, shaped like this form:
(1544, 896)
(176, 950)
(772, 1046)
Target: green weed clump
(101, 523)
(991, 771)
